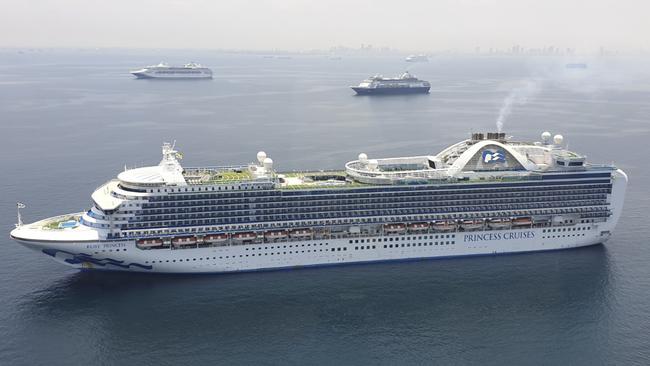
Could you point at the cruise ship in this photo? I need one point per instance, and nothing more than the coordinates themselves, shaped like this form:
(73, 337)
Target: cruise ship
(486, 195)
(404, 84)
(164, 71)
(417, 58)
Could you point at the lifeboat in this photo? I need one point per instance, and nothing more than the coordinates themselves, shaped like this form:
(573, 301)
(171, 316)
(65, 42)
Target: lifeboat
(149, 243)
(394, 228)
(471, 224)
(184, 240)
(444, 225)
(300, 233)
(215, 238)
(418, 227)
(522, 221)
(244, 236)
(276, 234)
(499, 223)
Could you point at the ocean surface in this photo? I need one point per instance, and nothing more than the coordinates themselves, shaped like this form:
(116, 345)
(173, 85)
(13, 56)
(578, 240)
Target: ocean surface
(70, 120)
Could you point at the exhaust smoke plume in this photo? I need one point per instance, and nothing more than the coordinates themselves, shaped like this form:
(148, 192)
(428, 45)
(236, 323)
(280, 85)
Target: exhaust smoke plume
(519, 95)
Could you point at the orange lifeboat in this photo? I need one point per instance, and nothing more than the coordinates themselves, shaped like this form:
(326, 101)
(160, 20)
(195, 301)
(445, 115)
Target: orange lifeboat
(300, 233)
(418, 227)
(275, 235)
(499, 223)
(471, 224)
(522, 221)
(444, 225)
(244, 236)
(184, 240)
(394, 228)
(215, 238)
(149, 243)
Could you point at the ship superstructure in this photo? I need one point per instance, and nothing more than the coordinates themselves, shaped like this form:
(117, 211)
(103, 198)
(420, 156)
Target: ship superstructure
(164, 71)
(404, 84)
(489, 194)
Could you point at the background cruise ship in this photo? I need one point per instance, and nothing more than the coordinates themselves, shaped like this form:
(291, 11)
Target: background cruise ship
(404, 84)
(484, 195)
(417, 58)
(164, 71)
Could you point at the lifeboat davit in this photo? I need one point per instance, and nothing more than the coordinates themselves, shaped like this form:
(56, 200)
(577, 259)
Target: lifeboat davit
(471, 224)
(394, 228)
(149, 243)
(300, 233)
(215, 238)
(418, 227)
(184, 240)
(444, 225)
(276, 234)
(499, 223)
(522, 221)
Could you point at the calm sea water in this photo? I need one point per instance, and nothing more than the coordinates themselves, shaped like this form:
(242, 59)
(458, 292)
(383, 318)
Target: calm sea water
(72, 120)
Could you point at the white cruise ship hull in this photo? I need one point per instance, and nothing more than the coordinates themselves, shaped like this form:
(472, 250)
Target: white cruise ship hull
(125, 256)
(554, 211)
(151, 75)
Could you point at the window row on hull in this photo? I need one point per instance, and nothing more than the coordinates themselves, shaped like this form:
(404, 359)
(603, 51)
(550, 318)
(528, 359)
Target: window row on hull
(336, 225)
(479, 211)
(284, 202)
(325, 211)
(378, 204)
(393, 191)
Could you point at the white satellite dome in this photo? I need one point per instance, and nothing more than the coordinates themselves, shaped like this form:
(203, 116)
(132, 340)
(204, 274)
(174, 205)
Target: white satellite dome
(261, 156)
(363, 157)
(373, 164)
(268, 163)
(546, 136)
(558, 139)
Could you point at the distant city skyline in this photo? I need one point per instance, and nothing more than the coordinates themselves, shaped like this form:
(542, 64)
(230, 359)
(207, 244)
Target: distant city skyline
(442, 25)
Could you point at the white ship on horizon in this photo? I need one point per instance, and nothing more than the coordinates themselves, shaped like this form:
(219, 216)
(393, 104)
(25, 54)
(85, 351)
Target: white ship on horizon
(417, 58)
(164, 71)
(486, 195)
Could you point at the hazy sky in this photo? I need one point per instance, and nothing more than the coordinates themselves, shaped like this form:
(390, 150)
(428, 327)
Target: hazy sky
(292, 24)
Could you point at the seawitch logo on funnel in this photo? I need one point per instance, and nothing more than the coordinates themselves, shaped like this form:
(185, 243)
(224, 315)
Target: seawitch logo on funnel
(494, 156)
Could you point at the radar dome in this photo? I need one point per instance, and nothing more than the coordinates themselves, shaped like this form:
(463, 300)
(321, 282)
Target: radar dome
(557, 139)
(373, 164)
(261, 156)
(268, 163)
(546, 136)
(363, 157)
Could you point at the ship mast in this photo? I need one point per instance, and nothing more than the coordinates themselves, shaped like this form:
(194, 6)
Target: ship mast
(19, 205)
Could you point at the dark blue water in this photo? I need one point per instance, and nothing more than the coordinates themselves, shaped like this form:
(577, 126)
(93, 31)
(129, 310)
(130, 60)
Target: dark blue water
(71, 120)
